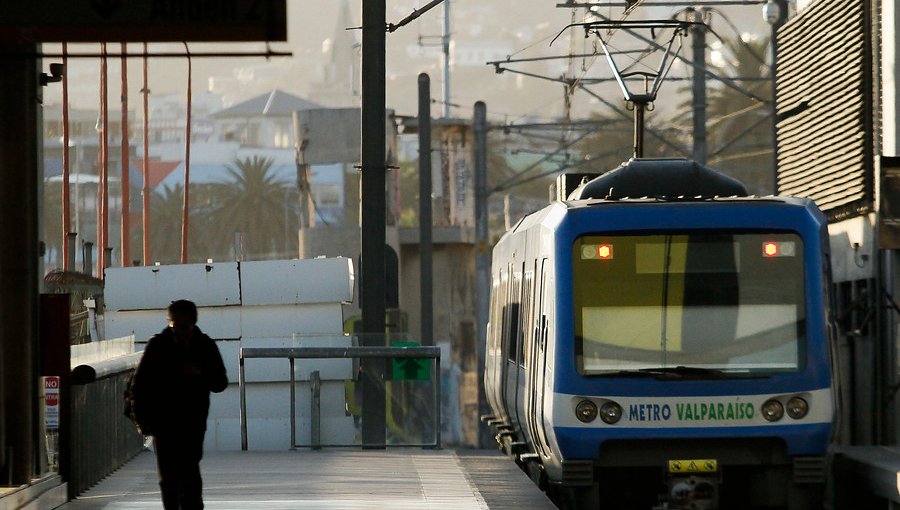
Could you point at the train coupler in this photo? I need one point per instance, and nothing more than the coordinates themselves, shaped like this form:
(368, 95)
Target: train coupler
(691, 485)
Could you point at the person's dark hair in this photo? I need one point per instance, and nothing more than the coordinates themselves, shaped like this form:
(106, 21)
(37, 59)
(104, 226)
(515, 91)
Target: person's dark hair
(184, 308)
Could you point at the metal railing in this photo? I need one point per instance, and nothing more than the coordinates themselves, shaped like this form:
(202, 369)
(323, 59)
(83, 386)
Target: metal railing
(100, 438)
(293, 353)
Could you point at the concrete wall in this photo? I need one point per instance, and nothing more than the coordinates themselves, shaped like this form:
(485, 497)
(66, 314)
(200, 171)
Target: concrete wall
(454, 331)
(853, 249)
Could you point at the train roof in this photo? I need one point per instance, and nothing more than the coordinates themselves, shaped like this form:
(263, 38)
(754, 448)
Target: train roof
(660, 178)
(794, 201)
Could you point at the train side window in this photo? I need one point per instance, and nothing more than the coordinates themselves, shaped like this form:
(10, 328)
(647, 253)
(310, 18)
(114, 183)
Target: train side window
(513, 316)
(502, 304)
(543, 306)
(492, 322)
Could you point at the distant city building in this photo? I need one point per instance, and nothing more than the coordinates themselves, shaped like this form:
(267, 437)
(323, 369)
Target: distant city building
(262, 121)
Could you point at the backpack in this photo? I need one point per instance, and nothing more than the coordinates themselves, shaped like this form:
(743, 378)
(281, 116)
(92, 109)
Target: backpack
(131, 408)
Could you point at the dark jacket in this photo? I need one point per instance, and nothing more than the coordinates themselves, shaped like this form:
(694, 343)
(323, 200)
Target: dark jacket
(173, 380)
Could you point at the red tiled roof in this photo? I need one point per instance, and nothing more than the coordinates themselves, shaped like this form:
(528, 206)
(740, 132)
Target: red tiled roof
(159, 170)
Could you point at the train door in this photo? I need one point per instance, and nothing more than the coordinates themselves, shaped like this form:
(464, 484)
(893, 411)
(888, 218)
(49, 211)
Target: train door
(513, 341)
(491, 338)
(502, 344)
(543, 311)
(525, 335)
(532, 364)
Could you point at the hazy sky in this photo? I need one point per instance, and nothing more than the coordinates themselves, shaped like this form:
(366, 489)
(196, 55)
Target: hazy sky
(481, 31)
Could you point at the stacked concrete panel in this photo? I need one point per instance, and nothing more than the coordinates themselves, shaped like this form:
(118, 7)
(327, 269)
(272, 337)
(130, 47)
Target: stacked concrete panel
(279, 303)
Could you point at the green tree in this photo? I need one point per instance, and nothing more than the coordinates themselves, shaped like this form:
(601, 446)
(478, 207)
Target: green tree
(165, 225)
(739, 127)
(258, 206)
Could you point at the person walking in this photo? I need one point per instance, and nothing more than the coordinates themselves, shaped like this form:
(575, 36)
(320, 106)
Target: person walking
(180, 366)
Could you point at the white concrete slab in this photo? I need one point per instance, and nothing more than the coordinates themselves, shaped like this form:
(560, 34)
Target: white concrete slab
(154, 287)
(288, 320)
(286, 282)
(217, 322)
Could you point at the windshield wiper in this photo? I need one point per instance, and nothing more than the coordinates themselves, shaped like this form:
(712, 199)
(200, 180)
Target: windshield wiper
(683, 372)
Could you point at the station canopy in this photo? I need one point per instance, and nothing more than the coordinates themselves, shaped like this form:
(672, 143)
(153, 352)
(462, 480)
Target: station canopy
(144, 21)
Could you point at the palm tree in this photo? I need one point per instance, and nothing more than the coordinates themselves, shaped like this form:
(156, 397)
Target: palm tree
(165, 231)
(256, 205)
(739, 129)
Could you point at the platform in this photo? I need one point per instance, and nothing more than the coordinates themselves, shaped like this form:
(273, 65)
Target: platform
(333, 479)
(866, 477)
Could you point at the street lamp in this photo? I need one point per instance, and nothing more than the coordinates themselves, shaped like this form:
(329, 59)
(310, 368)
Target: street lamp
(775, 13)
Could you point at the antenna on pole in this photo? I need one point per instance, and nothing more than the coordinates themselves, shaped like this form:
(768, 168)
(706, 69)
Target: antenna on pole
(639, 102)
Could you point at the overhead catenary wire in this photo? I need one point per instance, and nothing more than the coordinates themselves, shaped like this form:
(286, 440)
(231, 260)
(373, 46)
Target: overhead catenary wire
(724, 80)
(736, 113)
(616, 109)
(740, 135)
(731, 82)
(512, 180)
(622, 113)
(584, 161)
(592, 5)
(593, 80)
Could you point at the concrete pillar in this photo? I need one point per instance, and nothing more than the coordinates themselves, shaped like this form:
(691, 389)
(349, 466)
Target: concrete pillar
(19, 278)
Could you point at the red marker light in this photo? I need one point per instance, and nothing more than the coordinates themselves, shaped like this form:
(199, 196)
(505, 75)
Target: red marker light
(605, 251)
(770, 249)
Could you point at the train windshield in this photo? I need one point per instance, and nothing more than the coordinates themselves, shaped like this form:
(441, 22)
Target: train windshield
(697, 303)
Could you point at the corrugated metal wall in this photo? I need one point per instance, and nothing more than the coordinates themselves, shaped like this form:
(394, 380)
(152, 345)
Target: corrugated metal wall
(824, 97)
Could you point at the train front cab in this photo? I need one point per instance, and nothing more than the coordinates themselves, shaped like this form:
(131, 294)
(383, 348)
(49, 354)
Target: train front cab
(693, 362)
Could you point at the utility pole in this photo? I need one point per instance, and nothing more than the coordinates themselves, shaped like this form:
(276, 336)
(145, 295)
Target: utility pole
(304, 175)
(775, 13)
(482, 256)
(372, 271)
(425, 239)
(445, 45)
(698, 45)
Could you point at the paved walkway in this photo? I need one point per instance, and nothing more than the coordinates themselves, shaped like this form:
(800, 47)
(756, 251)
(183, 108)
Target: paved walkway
(333, 479)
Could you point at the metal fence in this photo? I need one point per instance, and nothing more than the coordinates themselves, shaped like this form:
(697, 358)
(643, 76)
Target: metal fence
(100, 437)
(355, 352)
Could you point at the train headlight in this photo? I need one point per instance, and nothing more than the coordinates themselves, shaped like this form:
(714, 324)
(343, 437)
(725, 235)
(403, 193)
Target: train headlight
(772, 410)
(797, 408)
(610, 412)
(586, 411)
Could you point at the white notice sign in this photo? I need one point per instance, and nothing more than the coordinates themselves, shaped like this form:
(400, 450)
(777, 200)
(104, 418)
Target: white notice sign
(51, 402)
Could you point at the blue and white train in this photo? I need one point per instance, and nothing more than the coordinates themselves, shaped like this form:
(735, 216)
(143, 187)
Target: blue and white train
(662, 340)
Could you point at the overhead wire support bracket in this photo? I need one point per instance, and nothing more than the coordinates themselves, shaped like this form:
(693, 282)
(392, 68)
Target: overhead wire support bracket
(510, 60)
(391, 27)
(700, 3)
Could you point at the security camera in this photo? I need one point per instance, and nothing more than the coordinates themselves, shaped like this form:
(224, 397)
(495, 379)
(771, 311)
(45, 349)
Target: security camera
(57, 71)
